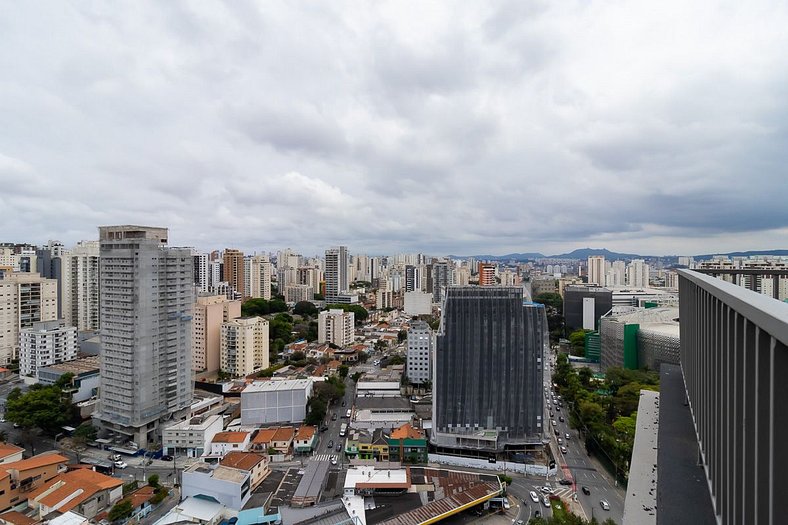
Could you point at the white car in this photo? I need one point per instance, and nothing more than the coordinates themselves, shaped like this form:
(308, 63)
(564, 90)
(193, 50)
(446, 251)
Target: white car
(567, 436)
(546, 501)
(563, 450)
(605, 505)
(546, 489)
(534, 496)
(121, 464)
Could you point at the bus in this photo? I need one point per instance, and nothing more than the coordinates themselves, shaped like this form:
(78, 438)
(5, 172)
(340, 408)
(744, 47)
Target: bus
(343, 430)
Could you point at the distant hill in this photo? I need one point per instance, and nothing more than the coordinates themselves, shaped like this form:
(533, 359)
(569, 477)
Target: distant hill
(584, 253)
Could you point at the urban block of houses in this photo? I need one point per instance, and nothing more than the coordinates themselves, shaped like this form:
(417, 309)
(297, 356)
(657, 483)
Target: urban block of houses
(305, 439)
(407, 445)
(200, 510)
(19, 478)
(80, 490)
(224, 442)
(140, 503)
(257, 465)
(364, 444)
(278, 440)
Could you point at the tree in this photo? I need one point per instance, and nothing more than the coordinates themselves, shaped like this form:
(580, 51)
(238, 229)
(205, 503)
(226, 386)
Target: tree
(360, 314)
(64, 380)
(318, 297)
(121, 510)
(153, 480)
(355, 377)
(317, 411)
(86, 431)
(395, 360)
(401, 336)
(551, 299)
(305, 308)
(42, 407)
(343, 371)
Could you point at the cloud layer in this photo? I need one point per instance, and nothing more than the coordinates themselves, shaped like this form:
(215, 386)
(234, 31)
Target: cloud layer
(525, 126)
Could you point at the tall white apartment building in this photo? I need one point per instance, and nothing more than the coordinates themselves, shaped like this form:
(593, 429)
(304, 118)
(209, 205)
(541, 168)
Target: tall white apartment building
(79, 286)
(147, 304)
(461, 276)
(202, 272)
(311, 276)
(25, 298)
(637, 273)
(210, 311)
(361, 265)
(244, 346)
(420, 349)
(46, 343)
(295, 293)
(335, 326)
(616, 274)
(260, 277)
(336, 273)
(596, 270)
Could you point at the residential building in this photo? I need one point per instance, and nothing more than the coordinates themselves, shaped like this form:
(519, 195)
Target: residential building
(25, 298)
(596, 270)
(84, 380)
(438, 279)
(80, 490)
(229, 486)
(199, 510)
(336, 326)
(295, 293)
(260, 270)
(79, 286)
(147, 303)
(191, 438)
(418, 303)
(275, 401)
(279, 440)
(367, 444)
(407, 445)
(234, 271)
(19, 478)
(487, 274)
(210, 311)
(224, 442)
(305, 439)
(202, 273)
(420, 350)
(257, 465)
(10, 453)
(638, 274)
(336, 273)
(488, 376)
(46, 343)
(540, 285)
(244, 346)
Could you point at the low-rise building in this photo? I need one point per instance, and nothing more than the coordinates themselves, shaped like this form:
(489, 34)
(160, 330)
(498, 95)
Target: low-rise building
(46, 343)
(10, 453)
(363, 444)
(19, 478)
(199, 510)
(225, 442)
(257, 465)
(85, 380)
(81, 490)
(192, 437)
(407, 445)
(305, 439)
(229, 486)
(275, 401)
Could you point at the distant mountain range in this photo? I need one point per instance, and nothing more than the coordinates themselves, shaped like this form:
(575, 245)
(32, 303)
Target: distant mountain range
(584, 253)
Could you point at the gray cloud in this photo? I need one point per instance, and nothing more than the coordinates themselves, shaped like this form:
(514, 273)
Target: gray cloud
(526, 126)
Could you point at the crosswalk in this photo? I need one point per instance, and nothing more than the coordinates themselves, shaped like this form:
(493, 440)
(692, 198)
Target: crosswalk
(563, 491)
(322, 457)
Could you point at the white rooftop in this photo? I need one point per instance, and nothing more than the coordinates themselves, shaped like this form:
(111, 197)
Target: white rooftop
(68, 518)
(366, 474)
(193, 509)
(276, 385)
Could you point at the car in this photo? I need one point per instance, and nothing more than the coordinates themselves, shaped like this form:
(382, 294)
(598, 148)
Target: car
(560, 441)
(343, 403)
(167, 458)
(331, 444)
(333, 460)
(546, 502)
(604, 504)
(557, 409)
(506, 504)
(564, 450)
(538, 514)
(17, 425)
(565, 482)
(2, 420)
(561, 419)
(586, 491)
(556, 432)
(334, 416)
(553, 422)
(520, 522)
(115, 457)
(121, 464)
(546, 489)
(338, 447)
(567, 436)
(323, 428)
(534, 496)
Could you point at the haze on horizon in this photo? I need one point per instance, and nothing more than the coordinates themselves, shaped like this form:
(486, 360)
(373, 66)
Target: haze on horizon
(398, 126)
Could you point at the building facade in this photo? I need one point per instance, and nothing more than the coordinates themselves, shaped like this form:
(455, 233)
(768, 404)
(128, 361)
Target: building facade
(275, 402)
(25, 298)
(336, 273)
(596, 270)
(46, 343)
(487, 381)
(147, 303)
(260, 270)
(420, 351)
(234, 271)
(335, 326)
(244, 346)
(79, 286)
(486, 274)
(210, 311)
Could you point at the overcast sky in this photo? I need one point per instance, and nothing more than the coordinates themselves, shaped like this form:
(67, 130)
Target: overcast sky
(650, 127)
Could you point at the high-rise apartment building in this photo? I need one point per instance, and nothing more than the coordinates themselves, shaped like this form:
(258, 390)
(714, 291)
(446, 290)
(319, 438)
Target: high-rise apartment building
(486, 274)
(336, 273)
(260, 277)
(210, 311)
(335, 326)
(46, 343)
(420, 351)
(638, 273)
(487, 380)
(147, 303)
(234, 271)
(596, 270)
(295, 293)
(438, 279)
(244, 347)
(202, 272)
(25, 298)
(79, 285)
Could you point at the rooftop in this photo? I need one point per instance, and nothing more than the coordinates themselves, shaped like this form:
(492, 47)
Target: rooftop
(78, 366)
(275, 385)
(230, 437)
(41, 460)
(305, 432)
(640, 507)
(72, 488)
(407, 431)
(7, 449)
(241, 460)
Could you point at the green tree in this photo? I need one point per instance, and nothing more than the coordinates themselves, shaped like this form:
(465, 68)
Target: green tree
(343, 371)
(360, 313)
(401, 336)
(42, 407)
(551, 299)
(120, 511)
(153, 480)
(257, 306)
(395, 360)
(64, 380)
(317, 411)
(281, 328)
(318, 297)
(355, 377)
(305, 308)
(86, 431)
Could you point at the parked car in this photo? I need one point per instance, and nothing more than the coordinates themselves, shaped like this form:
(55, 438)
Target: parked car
(338, 447)
(546, 502)
(586, 491)
(334, 416)
(565, 482)
(115, 457)
(534, 496)
(604, 504)
(331, 444)
(167, 458)
(121, 464)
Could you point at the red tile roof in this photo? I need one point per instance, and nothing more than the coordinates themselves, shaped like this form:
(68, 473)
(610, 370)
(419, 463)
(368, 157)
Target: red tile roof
(230, 437)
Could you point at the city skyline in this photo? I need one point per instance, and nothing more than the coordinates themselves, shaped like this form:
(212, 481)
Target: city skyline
(441, 128)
